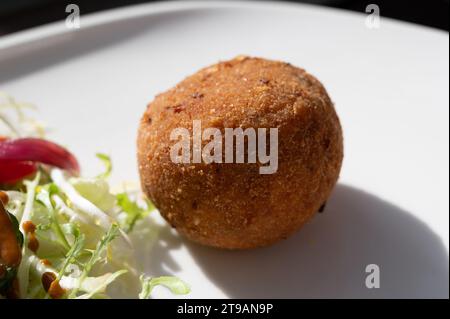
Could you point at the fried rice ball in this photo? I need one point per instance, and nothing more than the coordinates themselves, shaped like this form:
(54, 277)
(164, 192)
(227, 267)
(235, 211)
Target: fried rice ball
(231, 205)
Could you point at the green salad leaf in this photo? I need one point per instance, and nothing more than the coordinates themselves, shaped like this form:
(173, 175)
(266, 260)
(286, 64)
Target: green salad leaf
(82, 231)
(132, 211)
(106, 160)
(175, 285)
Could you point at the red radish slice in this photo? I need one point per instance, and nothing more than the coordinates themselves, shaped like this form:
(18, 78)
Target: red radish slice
(13, 171)
(38, 150)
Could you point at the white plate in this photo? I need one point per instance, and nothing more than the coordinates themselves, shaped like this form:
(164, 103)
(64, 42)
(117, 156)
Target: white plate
(391, 89)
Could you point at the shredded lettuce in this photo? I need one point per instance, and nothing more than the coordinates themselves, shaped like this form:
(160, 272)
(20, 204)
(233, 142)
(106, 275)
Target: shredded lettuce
(78, 201)
(133, 212)
(101, 283)
(106, 160)
(15, 122)
(96, 191)
(175, 285)
(72, 254)
(82, 231)
(44, 197)
(22, 216)
(81, 225)
(97, 255)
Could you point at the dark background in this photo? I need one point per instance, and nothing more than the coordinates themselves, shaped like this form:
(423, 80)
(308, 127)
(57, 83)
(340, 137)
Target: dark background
(16, 15)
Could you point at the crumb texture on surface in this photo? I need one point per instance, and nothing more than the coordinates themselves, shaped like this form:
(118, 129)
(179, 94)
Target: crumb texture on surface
(232, 205)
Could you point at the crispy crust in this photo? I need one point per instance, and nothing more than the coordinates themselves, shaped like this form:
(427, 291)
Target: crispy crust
(232, 205)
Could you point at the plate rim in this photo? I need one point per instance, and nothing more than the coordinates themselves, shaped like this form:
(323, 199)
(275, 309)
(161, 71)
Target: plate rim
(91, 20)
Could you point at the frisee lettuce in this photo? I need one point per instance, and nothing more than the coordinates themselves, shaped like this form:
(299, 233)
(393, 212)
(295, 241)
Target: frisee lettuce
(81, 225)
(106, 160)
(97, 255)
(133, 212)
(175, 285)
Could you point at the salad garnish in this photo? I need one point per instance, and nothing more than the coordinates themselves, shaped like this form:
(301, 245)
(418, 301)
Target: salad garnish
(63, 235)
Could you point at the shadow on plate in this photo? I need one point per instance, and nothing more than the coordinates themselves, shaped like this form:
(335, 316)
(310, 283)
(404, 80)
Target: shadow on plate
(156, 241)
(327, 259)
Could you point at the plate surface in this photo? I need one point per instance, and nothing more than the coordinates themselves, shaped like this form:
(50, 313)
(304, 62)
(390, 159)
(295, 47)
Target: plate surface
(391, 90)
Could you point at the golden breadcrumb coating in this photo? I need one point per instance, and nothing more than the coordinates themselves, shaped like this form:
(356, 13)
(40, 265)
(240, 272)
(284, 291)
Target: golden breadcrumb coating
(232, 205)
